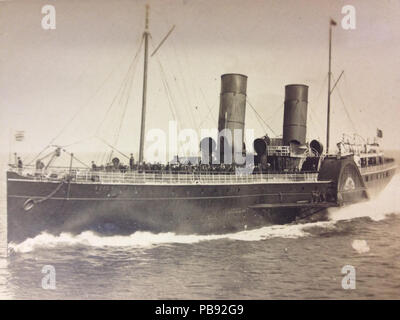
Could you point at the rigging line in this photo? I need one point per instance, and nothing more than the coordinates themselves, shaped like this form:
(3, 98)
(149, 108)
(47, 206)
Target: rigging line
(336, 82)
(263, 127)
(47, 155)
(255, 111)
(276, 111)
(100, 153)
(123, 94)
(120, 93)
(166, 87)
(73, 156)
(209, 110)
(319, 94)
(171, 99)
(86, 103)
(119, 90)
(168, 98)
(314, 120)
(322, 88)
(182, 89)
(204, 119)
(127, 88)
(77, 142)
(188, 70)
(313, 116)
(38, 155)
(189, 105)
(129, 91)
(345, 108)
(363, 124)
(126, 84)
(163, 40)
(207, 105)
(105, 142)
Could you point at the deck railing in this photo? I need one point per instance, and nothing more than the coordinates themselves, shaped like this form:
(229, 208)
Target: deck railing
(378, 168)
(165, 177)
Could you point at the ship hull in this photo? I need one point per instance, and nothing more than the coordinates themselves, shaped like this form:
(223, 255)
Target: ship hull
(123, 209)
(375, 182)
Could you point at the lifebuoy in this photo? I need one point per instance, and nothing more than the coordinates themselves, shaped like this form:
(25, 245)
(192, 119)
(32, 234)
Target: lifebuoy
(29, 204)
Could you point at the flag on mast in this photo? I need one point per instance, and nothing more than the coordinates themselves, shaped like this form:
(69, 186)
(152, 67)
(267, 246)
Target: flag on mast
(333, 22)
(19, 135)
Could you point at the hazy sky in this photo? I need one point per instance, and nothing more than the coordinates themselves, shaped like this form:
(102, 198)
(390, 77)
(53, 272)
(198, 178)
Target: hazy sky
(48, 76)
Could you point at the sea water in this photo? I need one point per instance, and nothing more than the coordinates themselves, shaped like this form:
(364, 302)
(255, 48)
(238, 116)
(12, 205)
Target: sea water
(296, 261)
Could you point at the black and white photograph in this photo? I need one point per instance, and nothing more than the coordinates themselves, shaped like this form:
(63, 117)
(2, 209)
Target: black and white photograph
(200, 150)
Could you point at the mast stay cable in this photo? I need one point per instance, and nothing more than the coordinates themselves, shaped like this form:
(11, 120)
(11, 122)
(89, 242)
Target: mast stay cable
(125, 85)
(84, 106)
(171, 102)
(259, 117)
(128, 94)
(345, 108)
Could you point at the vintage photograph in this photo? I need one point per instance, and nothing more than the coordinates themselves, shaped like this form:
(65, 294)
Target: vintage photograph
(199, 150)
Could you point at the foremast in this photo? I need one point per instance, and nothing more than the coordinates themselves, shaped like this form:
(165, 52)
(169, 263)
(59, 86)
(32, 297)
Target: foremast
(146, 35)
(331, 24)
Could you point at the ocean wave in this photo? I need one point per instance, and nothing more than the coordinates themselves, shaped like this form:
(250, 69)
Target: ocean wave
(386, 203)
(142, 239)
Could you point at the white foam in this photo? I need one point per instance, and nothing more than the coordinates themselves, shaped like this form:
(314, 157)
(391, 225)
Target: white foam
(361, 246)
(387, 202)
(148, 239)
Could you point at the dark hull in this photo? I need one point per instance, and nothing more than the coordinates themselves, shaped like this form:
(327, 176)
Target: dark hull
(188, 208)
(376, 182)
(123, 209)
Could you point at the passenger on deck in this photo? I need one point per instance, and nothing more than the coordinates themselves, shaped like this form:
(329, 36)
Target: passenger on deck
(39, 166)
(19, 164)
(109, 167)
(131, 162)
(94, 167)
(122, 168)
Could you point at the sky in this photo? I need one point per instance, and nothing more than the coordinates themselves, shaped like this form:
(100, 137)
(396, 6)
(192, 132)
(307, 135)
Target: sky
(60, 83)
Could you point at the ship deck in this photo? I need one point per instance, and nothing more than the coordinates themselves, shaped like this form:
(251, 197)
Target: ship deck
(162, 177)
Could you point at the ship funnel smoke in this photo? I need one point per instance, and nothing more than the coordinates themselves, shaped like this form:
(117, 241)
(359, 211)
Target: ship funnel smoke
(295, 114)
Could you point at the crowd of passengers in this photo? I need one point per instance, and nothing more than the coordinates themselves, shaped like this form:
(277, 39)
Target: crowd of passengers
(177, 167)
(170, 167)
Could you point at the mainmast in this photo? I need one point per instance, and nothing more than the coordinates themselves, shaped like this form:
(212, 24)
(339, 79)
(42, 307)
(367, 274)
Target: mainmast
(146, 35)
(332, 23)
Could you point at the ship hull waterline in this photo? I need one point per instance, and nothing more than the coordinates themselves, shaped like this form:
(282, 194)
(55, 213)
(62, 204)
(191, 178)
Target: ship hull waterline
(123, 209)
(117, 209)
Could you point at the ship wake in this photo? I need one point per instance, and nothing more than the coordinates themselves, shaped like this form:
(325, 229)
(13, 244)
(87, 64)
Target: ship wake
(387, 203)
(142, 239)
